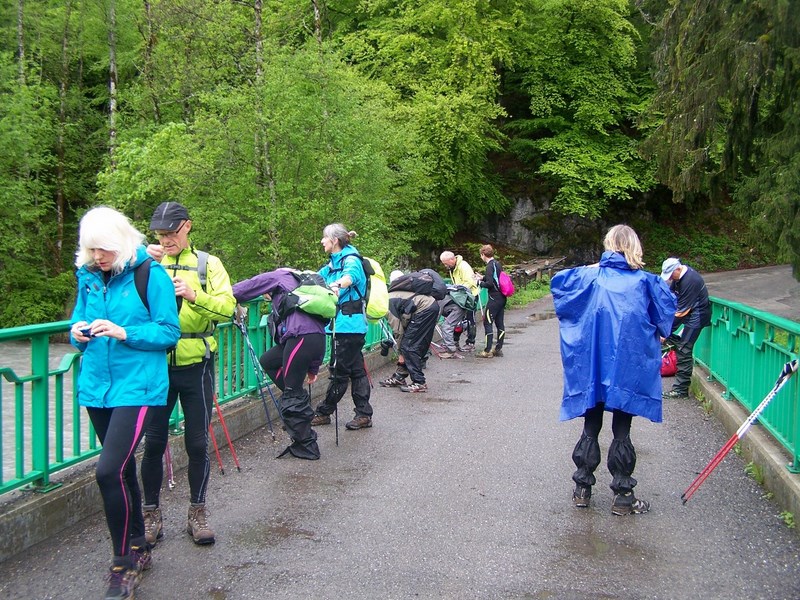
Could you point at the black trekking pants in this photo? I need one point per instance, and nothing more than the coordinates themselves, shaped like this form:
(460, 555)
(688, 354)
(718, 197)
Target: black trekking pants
(120, 430)
(493, 318)
(194, 386)
(417, 339)
(347, 366)
(684, 348)
(287, 365)
(621, 454)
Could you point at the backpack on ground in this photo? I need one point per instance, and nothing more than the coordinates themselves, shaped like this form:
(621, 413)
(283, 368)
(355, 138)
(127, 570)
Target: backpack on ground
(505, 284)
(312, 296)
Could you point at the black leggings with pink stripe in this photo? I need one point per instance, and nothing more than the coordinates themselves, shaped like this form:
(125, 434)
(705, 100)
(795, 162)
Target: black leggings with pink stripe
(120, 430)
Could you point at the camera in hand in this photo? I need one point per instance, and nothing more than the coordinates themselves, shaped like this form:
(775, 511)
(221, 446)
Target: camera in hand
(386, 345)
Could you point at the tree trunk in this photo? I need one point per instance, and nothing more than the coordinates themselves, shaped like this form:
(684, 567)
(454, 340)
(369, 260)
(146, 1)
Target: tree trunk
(147, 69)
(264, 175)
(317, 21)
(112, 79)
(21, 40)
(60, 142)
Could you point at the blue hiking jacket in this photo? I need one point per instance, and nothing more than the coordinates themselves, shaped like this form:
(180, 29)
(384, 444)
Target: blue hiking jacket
(610, 320)
(133, 372)
(344, 263)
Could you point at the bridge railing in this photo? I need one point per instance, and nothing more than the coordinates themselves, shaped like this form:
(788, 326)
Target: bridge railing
(745, 349)
(43, 430)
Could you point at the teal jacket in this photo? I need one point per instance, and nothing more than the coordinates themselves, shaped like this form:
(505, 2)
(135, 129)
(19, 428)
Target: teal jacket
(133, 372)
(344, 263)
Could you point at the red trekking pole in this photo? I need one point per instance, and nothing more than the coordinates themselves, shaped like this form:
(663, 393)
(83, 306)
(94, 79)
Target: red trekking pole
(789, 369)
(227, 435)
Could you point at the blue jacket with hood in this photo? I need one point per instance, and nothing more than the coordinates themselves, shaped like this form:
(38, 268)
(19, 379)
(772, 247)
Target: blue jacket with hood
(344, 263)
(133, 372)
(610, 320)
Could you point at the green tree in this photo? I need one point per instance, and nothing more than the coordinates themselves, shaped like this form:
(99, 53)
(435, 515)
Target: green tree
(727, 112)
(576, 62)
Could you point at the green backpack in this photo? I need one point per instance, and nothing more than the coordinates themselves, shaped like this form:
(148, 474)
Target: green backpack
(312, 296)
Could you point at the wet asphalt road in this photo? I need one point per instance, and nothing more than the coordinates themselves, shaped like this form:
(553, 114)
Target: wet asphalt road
(463, 492)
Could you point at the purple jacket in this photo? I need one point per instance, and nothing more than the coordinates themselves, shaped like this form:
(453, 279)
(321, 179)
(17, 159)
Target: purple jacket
(277, 284)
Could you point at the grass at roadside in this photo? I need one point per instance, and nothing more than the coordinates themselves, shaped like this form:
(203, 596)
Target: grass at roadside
(527, 294)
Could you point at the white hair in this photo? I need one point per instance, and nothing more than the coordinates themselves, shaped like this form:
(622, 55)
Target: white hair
(110, 230)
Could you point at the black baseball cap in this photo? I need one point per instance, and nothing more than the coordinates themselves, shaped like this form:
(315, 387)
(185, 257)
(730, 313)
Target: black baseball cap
(168, 216)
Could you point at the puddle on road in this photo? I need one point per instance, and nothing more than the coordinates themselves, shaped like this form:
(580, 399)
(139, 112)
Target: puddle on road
(591, 545)
(273, 533)
(542, 315)
(217, 593)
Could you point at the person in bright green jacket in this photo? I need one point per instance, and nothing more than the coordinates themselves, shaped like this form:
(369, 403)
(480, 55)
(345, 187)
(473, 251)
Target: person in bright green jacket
(123, 332)
(204, 295)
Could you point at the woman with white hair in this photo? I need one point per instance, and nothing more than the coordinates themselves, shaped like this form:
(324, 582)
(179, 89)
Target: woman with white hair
(123, 330)
(611, 317)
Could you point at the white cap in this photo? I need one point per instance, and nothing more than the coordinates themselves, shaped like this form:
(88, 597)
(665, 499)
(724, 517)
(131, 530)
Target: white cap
(668, 266)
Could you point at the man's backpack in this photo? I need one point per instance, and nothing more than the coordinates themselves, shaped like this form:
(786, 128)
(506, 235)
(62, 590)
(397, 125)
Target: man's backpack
(421, 283)
(201, 268)
(439, 286)
(312, 296)
(141, 277)
(505, 284)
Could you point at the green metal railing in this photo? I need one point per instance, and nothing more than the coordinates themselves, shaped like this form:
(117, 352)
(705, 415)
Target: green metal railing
(43, 430)
(745, 350)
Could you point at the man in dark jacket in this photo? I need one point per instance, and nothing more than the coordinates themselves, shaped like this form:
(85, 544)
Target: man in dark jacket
(693, 312)
(413, 317)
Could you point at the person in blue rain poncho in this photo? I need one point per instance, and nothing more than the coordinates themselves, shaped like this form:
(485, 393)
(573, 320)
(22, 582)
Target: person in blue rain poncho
(611, 318)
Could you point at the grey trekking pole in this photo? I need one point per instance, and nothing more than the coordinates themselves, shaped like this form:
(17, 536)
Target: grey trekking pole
(261, 377)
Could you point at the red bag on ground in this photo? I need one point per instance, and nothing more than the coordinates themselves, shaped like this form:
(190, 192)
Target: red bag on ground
(669, 363)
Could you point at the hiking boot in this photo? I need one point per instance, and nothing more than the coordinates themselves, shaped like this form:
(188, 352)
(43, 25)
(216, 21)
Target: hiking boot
(581, 496)
(414, 388)
(121, 583)
(153, 525)
(320, 420)
(142, 560)
(675, 395)
(468, 347)
(359, 422)
(197, 525)
(485, 354)
(628, 504)
(393, 381)
(450, 355)
(497, 352)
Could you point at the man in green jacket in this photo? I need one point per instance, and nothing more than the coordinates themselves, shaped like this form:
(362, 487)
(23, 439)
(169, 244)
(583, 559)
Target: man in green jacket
(204, 295)
(461, 273)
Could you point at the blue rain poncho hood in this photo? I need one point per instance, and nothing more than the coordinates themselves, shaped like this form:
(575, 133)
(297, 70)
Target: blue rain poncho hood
(611, 317)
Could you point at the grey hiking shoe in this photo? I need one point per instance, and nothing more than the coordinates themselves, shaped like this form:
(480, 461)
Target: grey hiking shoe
(628, 504)
(153, 525)
(415, 388)
(674, 395)
(197, 525)
(393, 381)
(581, 496)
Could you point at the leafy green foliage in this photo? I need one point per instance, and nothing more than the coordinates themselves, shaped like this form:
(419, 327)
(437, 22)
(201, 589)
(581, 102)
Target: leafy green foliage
(578, 66)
